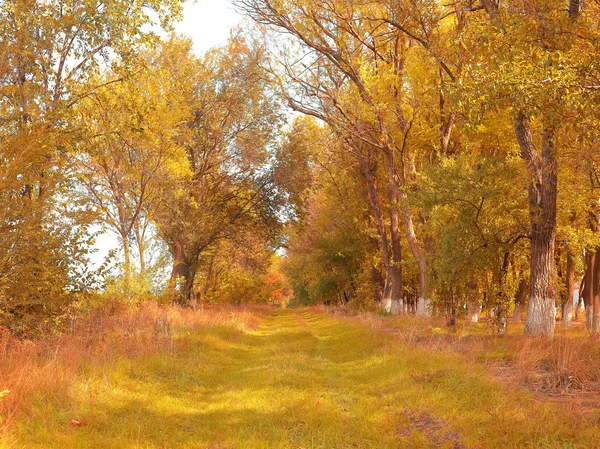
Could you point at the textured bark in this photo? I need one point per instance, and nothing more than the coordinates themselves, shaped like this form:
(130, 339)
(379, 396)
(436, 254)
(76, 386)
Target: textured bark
(396, 289)
(542, 169)
(384, 242)
(423, 303)
(575, 8)
(567, 310)
(182, 275)
(446, 131)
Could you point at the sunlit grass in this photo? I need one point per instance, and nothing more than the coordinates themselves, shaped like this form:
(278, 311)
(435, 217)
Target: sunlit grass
(300, 380)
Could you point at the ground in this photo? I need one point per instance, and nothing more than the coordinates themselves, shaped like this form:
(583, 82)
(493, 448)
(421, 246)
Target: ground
(301, 379)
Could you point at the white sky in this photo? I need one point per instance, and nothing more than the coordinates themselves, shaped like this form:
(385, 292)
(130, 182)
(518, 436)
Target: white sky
(208, 22)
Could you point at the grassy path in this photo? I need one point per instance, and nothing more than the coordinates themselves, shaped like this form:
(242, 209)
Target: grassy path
(301, 380)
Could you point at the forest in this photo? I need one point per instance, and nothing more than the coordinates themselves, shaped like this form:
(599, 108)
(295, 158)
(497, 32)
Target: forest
(328, 229)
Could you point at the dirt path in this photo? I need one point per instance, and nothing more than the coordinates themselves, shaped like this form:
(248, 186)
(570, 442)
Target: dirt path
(301, 380)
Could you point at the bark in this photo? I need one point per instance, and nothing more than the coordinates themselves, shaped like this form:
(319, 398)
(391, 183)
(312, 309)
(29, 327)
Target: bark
(596, 293)
(588, 288)
(396, 290)
(182, 276)
(178, 262)
(502, 303)
(385, 245)
(395, 268)
(378, 283)
(127, 265)
(520, 301)
(139, 236)
(423, 302)
(491, 8)
(567, 310)
(542, 171)
(575, 8)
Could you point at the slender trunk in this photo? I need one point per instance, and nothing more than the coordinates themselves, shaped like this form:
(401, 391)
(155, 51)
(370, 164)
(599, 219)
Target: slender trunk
(579, 304)
(385, 246)
(423, 300)
(473, 304)
(127, 265)
(139, 237)
(520, 299)
(187, 292)
(502, 302)
(378, 284)
(596, 293)
(209, 275)
(567, 310)
(396, 289)
(543, 180)
(588, 288)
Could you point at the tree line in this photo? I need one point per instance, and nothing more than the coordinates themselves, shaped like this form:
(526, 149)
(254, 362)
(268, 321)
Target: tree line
(441, 157)
(459, 166)
(109, 122)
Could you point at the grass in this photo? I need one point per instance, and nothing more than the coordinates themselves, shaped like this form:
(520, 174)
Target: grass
(569, 363)
(299, 379)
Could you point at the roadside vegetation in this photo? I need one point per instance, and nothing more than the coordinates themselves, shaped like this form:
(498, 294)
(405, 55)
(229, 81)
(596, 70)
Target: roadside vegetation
(258, 378)
(368, 224)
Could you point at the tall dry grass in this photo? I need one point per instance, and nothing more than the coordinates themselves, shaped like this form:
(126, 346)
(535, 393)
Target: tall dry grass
(568, 363)
(50, 367)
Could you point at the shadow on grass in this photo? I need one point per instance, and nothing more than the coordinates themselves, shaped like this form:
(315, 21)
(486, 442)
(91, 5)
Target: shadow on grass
(301, 380)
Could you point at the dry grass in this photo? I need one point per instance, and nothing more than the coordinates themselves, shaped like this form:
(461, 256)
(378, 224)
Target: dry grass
(49, 367)
(564, 364)
(568, 363)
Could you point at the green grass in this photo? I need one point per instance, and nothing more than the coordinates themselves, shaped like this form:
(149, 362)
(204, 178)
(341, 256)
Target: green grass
(301, 380)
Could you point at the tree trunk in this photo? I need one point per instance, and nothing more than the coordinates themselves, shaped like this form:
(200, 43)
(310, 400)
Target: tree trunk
(396, 267)
(567, 310)
(385, 245)
(396, 289)
(542, 169)
(596, 293)
(127, 265)
(139, 237)
(579, 304)
(520, 301)
(180, 275)
(588, 289)
(502, 302)
(473, 310)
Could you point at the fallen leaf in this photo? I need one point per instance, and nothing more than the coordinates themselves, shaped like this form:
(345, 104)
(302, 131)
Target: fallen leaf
(76, 423)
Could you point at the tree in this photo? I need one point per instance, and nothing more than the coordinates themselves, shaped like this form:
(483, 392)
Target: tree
(133, 147)
(51, 53)
(227, 142)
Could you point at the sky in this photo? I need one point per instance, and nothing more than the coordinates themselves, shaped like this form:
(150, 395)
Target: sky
(208, 23)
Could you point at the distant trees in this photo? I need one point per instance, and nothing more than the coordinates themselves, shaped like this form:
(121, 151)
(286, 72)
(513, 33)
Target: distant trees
(446, 160)
(103, 122)
(437, 102)
(52, 55)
